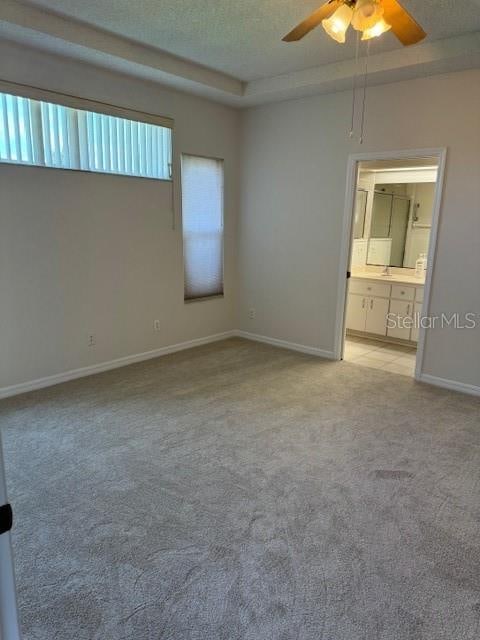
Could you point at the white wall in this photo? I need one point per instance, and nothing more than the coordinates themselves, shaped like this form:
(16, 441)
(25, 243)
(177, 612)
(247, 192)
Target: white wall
(112, 264)
(89, 253)
(293, 190)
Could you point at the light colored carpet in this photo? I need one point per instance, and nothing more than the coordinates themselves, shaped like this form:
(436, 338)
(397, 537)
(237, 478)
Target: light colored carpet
(238, 491)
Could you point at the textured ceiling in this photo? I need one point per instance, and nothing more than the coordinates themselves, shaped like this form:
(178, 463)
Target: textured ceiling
(242, 38)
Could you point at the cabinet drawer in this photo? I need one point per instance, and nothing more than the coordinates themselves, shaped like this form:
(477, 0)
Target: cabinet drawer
(419, 294)
(400, 292)
(368, 288)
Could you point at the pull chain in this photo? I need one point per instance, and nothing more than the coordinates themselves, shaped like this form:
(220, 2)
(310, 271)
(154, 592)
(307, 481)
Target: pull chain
(354, 87)
(364, 101)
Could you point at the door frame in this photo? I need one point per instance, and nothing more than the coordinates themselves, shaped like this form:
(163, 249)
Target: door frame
(347, 232)
(9, 625)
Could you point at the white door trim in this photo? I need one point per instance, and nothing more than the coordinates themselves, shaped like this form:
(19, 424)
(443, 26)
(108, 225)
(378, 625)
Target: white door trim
(346, 244)
(9, 627)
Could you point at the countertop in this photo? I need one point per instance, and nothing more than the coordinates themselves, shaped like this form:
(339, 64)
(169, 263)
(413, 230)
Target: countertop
(393, 279)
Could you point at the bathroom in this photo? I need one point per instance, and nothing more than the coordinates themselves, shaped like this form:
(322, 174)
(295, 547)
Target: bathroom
(392, 225)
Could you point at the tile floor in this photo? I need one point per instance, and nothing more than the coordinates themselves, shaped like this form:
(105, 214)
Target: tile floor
(381, 355)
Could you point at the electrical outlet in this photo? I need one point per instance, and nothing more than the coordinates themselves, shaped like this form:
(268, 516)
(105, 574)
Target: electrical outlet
(156, 325)
(252, 314)
(92, 340)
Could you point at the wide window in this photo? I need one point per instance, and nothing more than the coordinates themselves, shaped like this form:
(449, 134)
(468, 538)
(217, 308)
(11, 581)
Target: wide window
(202, 211)
(52, 135)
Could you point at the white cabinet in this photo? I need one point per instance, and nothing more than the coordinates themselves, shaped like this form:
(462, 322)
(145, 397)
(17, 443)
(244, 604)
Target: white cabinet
(370, 288)
(367, 314)
(370, 303)
(400, 292)
(377, 310)
(417, 310)
(402, 312)
(356, 313)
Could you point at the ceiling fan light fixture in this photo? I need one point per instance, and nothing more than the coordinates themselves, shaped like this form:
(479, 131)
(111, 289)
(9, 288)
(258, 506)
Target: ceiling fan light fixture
(367, 13)
(377, 30)
(336, 26)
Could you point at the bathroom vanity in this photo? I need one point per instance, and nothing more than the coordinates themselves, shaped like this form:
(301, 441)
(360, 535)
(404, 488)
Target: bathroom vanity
(373, 296)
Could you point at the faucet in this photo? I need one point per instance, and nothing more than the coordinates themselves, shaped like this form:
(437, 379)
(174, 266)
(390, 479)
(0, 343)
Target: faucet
(386, 270)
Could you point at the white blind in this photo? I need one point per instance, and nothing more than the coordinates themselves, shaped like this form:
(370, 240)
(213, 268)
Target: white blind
(202, 210)
(52, 135)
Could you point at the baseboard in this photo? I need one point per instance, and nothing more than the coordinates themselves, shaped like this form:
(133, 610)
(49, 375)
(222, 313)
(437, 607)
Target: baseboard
(48, 381)
(284, 344)
(383, 339)
(462, 387)
(40, 383)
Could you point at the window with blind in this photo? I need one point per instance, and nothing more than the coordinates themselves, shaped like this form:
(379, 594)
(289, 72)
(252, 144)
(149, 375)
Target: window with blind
(53, 135)
(202, 213)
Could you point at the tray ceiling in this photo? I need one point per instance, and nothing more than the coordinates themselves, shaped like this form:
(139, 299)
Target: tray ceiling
(242, 38)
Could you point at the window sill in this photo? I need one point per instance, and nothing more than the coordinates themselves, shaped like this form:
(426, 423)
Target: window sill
(204, 298)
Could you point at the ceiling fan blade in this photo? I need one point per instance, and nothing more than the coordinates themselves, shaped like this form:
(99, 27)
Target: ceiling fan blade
(407, 30)
(323, 12)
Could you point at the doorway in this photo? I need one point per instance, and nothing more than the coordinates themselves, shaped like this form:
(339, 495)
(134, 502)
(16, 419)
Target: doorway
(388, 253)
(9, 625)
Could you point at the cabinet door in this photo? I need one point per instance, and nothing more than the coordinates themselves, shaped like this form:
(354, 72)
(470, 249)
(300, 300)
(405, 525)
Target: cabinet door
(416, 317)
(356, 312)
(402, 309)
(377, 310)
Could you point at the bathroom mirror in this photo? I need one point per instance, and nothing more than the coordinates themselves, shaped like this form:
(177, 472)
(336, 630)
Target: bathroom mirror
(399, 225)
(360, 213)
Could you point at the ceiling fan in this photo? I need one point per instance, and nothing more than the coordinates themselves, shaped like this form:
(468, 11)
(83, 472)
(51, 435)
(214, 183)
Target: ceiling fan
(370, 17)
